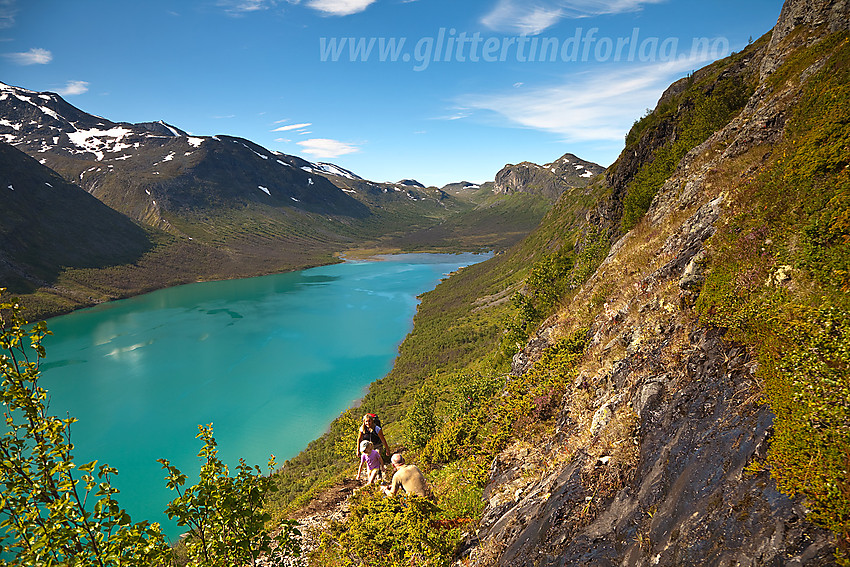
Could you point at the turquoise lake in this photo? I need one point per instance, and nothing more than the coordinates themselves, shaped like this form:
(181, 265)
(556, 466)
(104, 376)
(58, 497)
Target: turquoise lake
(269, 361)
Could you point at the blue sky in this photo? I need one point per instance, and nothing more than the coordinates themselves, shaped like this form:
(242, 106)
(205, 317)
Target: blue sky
(448, 91)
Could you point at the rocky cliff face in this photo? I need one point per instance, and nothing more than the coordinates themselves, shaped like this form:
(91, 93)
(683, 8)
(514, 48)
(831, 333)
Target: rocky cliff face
(831, 16)
(648, 463)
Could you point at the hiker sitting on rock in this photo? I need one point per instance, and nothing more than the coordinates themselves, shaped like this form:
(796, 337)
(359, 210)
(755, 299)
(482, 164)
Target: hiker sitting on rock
(373, 461)
(408, 477)
(371, 431)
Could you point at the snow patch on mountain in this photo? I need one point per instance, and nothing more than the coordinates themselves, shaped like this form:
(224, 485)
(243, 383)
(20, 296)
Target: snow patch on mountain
(335, 170)
(171, 129)
(100, 141)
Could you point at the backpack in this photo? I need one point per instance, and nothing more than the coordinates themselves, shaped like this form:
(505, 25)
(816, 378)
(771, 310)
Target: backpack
(377, 419)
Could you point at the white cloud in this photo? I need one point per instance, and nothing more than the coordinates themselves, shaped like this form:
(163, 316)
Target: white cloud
(340, 7)
(35, 56)
(325, 148)
(74, 88)
(524, 17)
(292, 127)
(585, 107)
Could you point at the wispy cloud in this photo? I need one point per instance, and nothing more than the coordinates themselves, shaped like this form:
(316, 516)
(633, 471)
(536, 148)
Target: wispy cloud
(35, 56)
(240, 7)
(289, 127)
(74, 88)
(326, 148)
(326, 7)
(340, 7)
(8, 11)
(524, 17)
(585, 107)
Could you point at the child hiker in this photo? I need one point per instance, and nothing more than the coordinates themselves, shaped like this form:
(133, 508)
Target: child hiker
(373, 461)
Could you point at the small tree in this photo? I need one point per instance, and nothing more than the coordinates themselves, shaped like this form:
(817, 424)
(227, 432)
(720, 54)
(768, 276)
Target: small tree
(225, 514)
(420, 423)
(344, 432)
(53, 511)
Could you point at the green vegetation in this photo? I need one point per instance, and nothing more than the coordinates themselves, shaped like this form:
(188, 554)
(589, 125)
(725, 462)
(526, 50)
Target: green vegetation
(56, 512)
(701, 109)
(480, 416)
(549, 284)
(389, 532)
(779, 282)
(225, 514)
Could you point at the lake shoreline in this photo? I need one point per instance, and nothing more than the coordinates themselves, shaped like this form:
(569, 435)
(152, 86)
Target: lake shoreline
(172, 352)
(40, 304)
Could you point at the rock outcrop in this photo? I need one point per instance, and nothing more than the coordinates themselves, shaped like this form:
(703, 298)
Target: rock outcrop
(549, 180)
(677, 402)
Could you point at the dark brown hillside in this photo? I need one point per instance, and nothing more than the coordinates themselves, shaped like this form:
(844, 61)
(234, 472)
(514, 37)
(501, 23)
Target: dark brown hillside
(48, 225)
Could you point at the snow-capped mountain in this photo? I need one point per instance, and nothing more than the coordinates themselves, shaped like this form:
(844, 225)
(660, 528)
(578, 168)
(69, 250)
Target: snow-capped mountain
(550, 179)
(44, 122)
(149, 170)
(146, 170)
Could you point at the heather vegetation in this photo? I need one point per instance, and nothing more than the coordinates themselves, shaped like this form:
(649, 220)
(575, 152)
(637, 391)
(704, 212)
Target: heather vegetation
(779, 282)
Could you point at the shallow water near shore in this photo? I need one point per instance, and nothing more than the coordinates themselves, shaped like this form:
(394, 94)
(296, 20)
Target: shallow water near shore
(269, 361)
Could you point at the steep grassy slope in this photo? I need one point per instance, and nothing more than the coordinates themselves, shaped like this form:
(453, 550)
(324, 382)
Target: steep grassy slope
(680, 398)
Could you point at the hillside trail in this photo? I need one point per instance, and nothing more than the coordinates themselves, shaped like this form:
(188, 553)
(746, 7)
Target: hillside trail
(328, 502)
(330, 505)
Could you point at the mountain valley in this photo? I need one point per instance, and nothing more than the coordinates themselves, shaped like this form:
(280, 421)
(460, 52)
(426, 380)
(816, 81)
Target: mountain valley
(217, 207)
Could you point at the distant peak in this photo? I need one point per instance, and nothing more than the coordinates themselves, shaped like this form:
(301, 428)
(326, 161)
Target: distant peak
(163, 128)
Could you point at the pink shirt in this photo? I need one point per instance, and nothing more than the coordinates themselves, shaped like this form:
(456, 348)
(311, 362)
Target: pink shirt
(373, 460)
